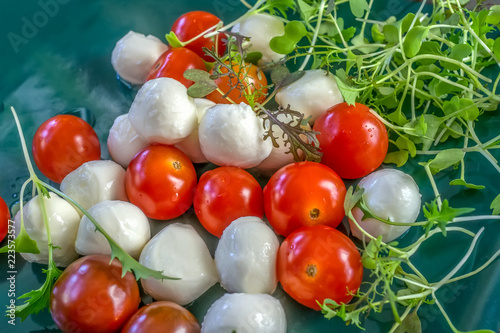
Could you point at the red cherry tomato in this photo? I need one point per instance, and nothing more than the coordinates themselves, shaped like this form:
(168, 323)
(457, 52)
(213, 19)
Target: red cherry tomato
(353, 141)
(173, 62)
(160, 180)
(63, 143)
(92, 296)
(162, 317)
(225, 194)
(304, 193)
(319, 262)
(252, 79)
(4, 219)
(192, 24)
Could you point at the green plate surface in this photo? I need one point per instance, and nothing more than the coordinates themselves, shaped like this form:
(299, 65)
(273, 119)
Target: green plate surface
(55, 57)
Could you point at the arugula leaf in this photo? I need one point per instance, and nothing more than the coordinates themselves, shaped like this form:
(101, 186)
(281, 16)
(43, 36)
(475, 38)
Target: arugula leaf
(38, 300)
(441, 217)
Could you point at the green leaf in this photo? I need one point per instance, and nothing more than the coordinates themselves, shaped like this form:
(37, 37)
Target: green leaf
(445, 159)
(282, 6)
(23, 243)
(411, 324)
(397, 157)
(413, 40)
(442, 216)
(352, 198)
(253, 57)
(203, 84)
(391, 33)
(294, 31)
(348, 93)
(404, 143)
(386, 90)
(39, 299)
(495, 205)
(496, 48)
(358, 7)
(172, 40)
(467, 108)
(462, 182)
(493, 17)
(458, 52)
(306, 9)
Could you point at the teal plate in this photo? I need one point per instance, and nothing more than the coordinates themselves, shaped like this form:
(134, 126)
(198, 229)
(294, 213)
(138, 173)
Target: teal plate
(56, 58)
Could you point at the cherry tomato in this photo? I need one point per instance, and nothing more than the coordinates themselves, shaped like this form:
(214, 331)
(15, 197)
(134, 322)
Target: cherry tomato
(353, 141)
(319, 262)
(304, 193)
(91, 296)
(4, 219)
(162, 317)
(63, 143)
(252, 79)
(160, 180)
(225, 194)
(191, 25)
(173, 62)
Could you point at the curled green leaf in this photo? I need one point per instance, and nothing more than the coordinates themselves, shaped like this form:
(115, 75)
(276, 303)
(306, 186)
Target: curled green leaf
(413, 40)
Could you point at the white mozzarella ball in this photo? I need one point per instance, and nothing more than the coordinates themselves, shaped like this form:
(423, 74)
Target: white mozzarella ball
(123, 221)
(95, 181)
(179, 251)
(261, 28)
(162, 112)
(245, 313)
(134, 55)
(280, 155)
(312, 94)
(232, 135)
(392, 195)
(191, 145)
(246, 257)
(123, 141)
(63, 223)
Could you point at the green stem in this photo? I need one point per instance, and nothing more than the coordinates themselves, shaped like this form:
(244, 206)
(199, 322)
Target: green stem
(315, 35)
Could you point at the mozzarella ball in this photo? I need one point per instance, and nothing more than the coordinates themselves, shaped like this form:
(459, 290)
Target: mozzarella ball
(179, 251)
(392, 195)
(123, 141)
(246, 257)
(191, 145)
(134, 55)
(312, 94)
(123, 221)
(232, 135)
(95, 181)
(162, 112)
(245, 313)
(261, 28)
(63, 223)
(280, 155)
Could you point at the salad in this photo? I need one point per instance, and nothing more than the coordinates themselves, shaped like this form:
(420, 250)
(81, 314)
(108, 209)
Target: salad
(286, 164)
